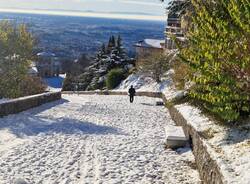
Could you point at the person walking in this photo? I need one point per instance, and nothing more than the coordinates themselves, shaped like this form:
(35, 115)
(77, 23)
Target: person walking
(131, 92)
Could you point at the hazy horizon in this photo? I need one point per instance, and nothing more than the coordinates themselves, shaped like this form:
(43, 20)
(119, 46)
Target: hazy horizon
(113, 15)
(119, 9)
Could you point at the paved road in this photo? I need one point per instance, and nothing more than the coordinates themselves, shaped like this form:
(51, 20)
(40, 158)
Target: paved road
(91, 139)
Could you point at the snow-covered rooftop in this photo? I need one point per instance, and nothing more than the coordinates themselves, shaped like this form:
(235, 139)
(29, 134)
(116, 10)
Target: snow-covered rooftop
(33, 70)
(151, 43)
(46, 54)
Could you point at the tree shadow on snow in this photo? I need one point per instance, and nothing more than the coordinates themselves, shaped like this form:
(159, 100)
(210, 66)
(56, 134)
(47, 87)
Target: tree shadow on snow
(33, 125)
(46, 106)
(29, 123)
(147, 104)
(236, 135)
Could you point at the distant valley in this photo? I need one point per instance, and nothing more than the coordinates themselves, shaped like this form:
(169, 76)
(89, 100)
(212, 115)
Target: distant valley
(69, 37)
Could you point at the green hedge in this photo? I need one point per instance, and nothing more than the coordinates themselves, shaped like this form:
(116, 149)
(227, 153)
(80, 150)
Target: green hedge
(217, 50)
(114, 78)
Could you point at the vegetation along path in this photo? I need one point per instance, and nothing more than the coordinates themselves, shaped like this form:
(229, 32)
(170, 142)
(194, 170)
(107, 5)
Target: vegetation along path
(92, 139)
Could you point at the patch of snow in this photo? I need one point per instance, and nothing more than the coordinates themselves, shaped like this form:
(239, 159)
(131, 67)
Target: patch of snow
(92, 139)
(33, 70)
(148, 84)
(2, 100)
(229, 146)
(55, 83)
(143, 83)
(8, 140)
(151, 43)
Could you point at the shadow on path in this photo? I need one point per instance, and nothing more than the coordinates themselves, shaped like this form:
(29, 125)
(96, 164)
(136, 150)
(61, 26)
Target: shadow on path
(29, 123)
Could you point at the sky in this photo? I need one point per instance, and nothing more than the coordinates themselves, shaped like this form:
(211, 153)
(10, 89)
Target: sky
(138, 9)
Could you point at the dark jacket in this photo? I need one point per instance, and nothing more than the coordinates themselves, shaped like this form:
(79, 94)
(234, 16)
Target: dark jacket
(132, 91)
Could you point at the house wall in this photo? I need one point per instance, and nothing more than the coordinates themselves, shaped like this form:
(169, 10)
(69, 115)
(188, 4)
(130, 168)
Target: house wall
(144, 52)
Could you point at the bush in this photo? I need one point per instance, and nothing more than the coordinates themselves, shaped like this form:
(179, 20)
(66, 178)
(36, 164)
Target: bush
(32, 85)
(16, 55)
(155, 65)
(217, 51)
(114, 78)
(181, 74)
(68, 83)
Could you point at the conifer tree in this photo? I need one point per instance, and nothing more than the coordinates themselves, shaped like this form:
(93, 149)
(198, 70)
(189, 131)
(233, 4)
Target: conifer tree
(111, 44)
(119, 48)
(103, 49)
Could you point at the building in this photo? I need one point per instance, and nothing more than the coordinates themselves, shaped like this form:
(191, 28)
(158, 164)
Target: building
(173, 29)
(48, 64)
(151, 46)
(148, 47)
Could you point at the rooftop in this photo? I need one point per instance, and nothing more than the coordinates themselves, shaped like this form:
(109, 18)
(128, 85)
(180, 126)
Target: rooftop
(151, 43)
(46, 54)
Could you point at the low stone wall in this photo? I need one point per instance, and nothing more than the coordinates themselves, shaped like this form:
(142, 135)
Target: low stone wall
(139, 93)
(208, 167)
(25, 103)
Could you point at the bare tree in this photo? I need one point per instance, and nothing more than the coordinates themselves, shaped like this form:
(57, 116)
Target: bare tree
(156, 65)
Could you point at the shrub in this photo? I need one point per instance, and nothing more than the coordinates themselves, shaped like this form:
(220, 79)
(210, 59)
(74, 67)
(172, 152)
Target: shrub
(16, 54)
(68, 83)
(217, 51)
(155, 65)
(32, 85)
(181, 74)
(114, 78)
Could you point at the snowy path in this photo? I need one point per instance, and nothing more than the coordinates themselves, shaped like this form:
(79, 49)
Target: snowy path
(91, 140)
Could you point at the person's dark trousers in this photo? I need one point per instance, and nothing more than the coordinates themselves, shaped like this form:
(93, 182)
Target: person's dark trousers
(131, 98)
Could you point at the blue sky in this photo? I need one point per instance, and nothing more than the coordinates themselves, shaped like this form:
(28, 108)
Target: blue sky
(146, 7)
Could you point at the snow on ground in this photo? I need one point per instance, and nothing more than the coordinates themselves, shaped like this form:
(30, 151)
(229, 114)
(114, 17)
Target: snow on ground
(55, 83)
(2, 100)
(148, 84)
(229, 145)
(92, 139)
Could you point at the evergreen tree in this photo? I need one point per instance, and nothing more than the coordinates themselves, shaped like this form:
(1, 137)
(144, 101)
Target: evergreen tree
(103, 49)
(95, 76)
(111, 44)
(113, 41)
(119, 47)
(119, 41)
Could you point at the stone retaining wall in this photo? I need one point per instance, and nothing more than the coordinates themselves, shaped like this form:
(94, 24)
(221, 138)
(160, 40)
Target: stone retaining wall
(25, 103)
(208, 167)
(139, 93)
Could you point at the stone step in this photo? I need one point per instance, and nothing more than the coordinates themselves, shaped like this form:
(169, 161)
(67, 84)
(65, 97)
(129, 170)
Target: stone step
(175, 137)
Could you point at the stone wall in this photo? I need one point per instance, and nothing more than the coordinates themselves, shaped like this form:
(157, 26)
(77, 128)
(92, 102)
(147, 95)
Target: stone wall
(25, 103)
(139, 93)
(208, 167)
